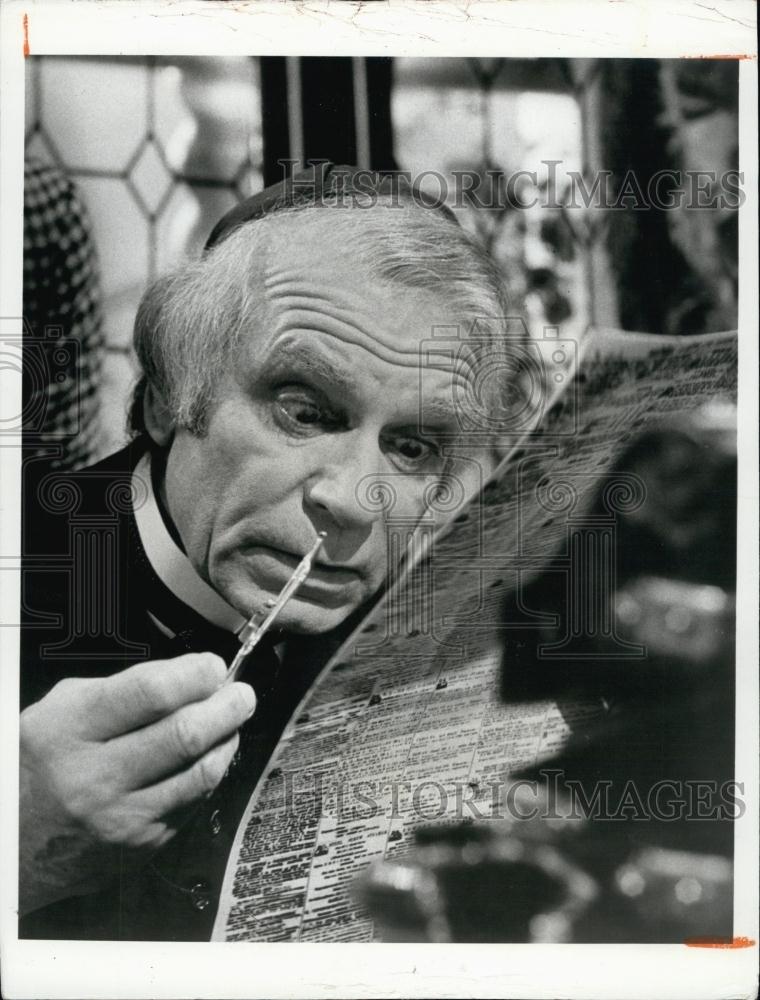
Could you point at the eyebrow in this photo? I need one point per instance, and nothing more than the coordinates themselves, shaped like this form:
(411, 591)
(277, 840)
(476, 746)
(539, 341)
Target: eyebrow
(439, 409)
(295, 356)
(292, 358)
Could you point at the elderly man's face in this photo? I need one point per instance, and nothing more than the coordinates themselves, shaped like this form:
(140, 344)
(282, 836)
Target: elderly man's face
(324, 396)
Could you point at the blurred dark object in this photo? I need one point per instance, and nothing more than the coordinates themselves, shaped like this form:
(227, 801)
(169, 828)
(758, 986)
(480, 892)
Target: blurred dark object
(63, 324)
(632, 840)
(675, 266)
(546, 284)
(647, 587)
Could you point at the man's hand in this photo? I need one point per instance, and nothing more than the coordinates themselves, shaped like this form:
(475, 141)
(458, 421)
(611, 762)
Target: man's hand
(111, 768)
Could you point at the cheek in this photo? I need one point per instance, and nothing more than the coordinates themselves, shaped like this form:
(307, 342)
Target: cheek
(414, 496)
(250, 467)
(193, 489)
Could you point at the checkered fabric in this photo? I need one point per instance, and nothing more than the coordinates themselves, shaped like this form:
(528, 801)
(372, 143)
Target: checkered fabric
(63, 327)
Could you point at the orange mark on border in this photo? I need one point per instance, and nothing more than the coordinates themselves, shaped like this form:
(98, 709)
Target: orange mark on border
(26, 35)
(707, 942)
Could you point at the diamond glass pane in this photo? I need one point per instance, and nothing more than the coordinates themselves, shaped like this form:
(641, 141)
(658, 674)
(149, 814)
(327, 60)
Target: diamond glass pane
(121, 234)
(38, 148)
(150, 178)
(96, 109)
(128, 132)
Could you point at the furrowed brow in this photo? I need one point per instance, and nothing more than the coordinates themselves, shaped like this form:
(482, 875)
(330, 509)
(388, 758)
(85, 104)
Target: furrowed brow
(295, 358)
(443, 411)
(298, 360)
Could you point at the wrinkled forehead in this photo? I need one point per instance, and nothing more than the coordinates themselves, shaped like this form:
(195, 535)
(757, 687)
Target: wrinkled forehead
(410, 388)
(322, 274)
(330, 247)
(328, 313)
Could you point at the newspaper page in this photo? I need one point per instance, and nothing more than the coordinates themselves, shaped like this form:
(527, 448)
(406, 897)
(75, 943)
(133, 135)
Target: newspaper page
(406, 725)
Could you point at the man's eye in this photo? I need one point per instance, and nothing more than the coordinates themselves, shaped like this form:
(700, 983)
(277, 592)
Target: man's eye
(414, 451)
(300, 409)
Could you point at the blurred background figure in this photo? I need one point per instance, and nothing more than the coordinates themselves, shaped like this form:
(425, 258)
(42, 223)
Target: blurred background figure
(63, 334)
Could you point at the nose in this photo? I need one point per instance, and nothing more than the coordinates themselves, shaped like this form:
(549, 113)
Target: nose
(333, 491)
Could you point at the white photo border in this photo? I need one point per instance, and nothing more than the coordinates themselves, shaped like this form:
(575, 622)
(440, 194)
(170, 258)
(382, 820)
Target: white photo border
(591, 28)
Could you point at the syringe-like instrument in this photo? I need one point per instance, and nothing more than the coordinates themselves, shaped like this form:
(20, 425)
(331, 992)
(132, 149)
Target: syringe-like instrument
(251, 633)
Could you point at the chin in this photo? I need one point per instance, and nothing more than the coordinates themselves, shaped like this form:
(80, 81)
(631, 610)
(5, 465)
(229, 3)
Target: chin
(301, 615)
(307, 618)
(312, 620)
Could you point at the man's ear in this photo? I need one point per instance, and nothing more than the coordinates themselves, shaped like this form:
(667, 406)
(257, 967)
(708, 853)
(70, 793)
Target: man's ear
(158, 420)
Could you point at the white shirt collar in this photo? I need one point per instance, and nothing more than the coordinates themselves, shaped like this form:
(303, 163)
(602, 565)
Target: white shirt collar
(170, 563)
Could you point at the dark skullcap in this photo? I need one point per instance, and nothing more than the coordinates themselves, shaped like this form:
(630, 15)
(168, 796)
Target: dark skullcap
(324, 181)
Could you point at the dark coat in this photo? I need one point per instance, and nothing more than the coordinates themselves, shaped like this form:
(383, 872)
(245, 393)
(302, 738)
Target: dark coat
(87, 589)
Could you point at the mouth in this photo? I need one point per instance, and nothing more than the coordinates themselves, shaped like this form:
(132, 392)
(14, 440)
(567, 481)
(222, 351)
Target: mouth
(280, 564)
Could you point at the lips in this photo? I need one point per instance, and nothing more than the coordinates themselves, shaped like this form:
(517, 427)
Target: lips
(323, 573)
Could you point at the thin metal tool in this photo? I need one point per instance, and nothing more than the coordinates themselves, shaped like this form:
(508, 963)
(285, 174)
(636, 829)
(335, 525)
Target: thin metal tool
(251, 633)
